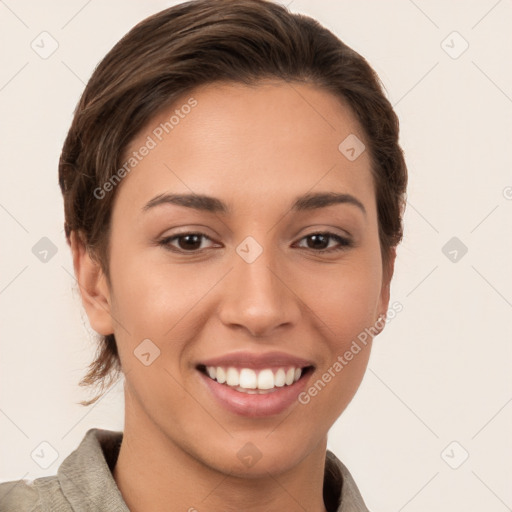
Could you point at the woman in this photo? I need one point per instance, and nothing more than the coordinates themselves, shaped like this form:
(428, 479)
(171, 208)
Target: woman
(234, 190)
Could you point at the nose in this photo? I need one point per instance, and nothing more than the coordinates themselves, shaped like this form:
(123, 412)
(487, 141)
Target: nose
(258, 297)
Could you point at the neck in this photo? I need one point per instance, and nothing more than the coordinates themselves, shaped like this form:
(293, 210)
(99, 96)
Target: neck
(153, 473)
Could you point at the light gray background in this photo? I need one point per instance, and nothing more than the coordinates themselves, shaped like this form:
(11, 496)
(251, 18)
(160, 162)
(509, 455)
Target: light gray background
(441, 370)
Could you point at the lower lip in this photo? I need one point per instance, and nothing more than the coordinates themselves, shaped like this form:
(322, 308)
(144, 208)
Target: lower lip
(255, 405)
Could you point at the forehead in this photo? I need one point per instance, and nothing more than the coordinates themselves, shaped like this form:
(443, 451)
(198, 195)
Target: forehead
(239, 142)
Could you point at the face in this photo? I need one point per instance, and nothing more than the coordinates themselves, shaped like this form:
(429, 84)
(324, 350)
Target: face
(265, 282)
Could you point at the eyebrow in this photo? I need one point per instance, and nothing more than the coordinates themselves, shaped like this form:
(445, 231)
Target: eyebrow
(306, 202)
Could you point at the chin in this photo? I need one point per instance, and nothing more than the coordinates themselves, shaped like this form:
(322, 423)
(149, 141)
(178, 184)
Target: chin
(258, 455)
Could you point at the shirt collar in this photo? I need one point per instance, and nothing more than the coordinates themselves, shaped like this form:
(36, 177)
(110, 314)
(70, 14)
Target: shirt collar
(340, 490)
(85, 477)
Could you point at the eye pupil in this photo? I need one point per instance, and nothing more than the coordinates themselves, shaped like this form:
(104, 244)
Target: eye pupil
(190, 245)
(319, 237)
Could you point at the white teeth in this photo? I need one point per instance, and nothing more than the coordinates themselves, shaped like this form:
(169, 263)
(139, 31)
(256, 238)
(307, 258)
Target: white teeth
(221, 375)
(279, 379)
(232, 378)
(247, 379)
(266, 379)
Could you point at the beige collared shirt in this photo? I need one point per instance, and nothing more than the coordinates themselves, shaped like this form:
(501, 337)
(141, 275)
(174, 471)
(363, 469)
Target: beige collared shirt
(84, 482)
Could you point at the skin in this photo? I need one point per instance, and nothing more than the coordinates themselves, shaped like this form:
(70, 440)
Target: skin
(256, 148)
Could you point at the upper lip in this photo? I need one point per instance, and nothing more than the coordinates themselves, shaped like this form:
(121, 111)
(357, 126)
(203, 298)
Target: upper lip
(257, 361)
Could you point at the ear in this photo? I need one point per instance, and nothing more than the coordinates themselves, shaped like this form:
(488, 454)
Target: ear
(387, 274)
(93, 286)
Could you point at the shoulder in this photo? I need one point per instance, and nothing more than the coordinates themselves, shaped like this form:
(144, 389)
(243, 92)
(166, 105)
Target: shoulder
(31, 496)
(85, 474)
(18, 495)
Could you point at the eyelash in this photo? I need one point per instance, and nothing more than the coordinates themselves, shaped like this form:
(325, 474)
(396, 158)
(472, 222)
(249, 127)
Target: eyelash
(344, 243)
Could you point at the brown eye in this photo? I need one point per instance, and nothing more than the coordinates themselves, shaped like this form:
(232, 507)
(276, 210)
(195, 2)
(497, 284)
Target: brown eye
(319, 242)
(186, 242)
(189, 242)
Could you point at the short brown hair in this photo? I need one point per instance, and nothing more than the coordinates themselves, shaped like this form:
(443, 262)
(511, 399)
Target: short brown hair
(197, 43)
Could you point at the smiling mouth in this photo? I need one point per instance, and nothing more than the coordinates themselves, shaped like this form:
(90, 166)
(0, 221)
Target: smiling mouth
(255, 381)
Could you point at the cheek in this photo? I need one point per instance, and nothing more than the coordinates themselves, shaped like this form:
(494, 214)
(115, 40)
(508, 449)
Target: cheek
(150, 298)
(167, 304)
(345, 300)
(345, 313)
